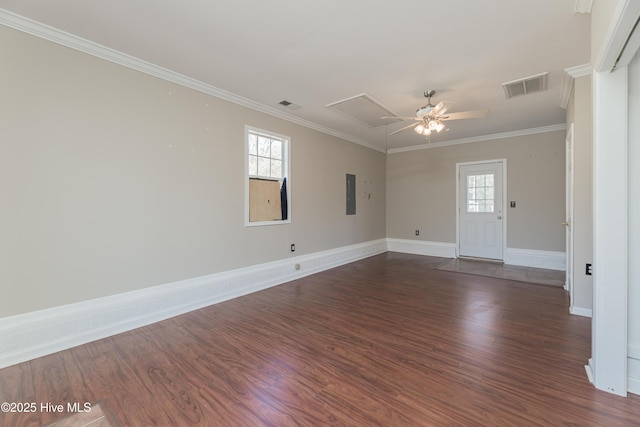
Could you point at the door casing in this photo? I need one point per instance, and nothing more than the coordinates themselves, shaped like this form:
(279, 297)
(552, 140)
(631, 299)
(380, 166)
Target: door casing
(504, 201)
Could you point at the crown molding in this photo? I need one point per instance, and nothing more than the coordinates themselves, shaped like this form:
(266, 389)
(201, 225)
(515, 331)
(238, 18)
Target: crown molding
(583, 6)
(567, 82)
(72, 41)
(503, 135)
(579, 70)
(565, 91)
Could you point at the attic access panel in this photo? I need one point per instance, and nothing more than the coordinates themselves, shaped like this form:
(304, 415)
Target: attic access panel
(364, 109)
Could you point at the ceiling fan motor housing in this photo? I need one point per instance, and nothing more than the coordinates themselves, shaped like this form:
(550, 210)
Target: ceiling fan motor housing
(424, 111)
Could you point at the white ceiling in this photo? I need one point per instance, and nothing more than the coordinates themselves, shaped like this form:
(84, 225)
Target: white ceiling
(314, 53)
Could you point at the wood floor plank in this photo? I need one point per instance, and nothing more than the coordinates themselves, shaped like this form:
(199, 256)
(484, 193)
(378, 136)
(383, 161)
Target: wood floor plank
(389, 340)
(101, 373)
(17, 390)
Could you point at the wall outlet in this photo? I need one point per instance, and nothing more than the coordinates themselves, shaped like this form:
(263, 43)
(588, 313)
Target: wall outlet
(588, 270)
(297, 266)
(417, 232)
(293, 247)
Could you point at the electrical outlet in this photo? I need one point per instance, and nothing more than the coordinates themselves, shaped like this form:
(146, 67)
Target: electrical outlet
(417, 232)
(293, 247)
(588, 270)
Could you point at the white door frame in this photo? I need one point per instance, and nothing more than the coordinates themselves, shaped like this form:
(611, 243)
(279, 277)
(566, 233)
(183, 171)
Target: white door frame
(568, 222)
(504, 201)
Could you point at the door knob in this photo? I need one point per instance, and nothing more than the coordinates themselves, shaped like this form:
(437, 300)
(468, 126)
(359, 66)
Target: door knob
(566, 223)
(499, 217)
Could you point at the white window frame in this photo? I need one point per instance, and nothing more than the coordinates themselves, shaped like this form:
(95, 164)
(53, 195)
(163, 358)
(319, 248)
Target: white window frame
(286, 173)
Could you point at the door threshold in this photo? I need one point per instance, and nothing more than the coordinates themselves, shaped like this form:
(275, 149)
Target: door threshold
(472, 258)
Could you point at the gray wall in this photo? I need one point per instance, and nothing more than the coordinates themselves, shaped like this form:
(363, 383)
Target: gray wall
(421, 190)
(113, 180)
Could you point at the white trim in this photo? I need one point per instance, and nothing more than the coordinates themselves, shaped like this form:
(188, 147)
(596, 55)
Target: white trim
(589, 370)
(610, 231)
(504, 201)
(583, 6)
(565, 91)
(72, 41)
(633, 385)
(421, 247)
(625, 17)
(569, 206)
(633, 370)
(578, 311)
(567, 82)
(287, 160)
(633, 351)
(551, 260)
(491, 137)
(579, 71)
(27, 336)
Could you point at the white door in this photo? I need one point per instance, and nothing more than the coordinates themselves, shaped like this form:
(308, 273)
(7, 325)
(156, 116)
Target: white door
(481, 210)
(569, 214)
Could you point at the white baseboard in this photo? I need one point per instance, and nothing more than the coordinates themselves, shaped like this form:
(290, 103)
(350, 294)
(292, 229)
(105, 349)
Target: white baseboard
(633, 385)
(579, 311)
(27, 336)
(523, 257)
(633, 368)
(420, 247)
(589, 370)
(550, 260)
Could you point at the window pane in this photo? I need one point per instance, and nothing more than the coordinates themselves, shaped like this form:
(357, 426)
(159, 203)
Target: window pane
(253, 165)
(276, 149)
(264, 167)
(276, 169)
(264, 146)
(253, 144)
(480, 193)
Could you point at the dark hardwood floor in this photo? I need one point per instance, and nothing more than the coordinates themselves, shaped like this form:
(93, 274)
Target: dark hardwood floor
(386, 341)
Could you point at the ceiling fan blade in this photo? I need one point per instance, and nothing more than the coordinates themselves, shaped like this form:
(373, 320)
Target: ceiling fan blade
(439, 109)
(403, 128)
(404, 119)
(475, 114)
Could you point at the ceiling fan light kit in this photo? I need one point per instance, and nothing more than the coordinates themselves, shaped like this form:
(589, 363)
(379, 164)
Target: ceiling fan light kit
(430, 118)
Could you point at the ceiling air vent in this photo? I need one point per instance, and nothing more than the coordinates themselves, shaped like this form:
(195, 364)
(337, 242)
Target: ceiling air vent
(365, 109)
(289, 105)
(532, 84)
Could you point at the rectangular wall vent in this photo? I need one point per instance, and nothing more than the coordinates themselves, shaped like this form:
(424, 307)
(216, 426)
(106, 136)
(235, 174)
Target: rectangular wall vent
(531, 84)
(365, 109)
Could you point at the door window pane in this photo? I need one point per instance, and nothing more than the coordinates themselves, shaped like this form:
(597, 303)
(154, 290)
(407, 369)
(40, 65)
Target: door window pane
(480, 193)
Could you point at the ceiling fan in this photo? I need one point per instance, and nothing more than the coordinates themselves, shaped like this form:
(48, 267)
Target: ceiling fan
(431, 118)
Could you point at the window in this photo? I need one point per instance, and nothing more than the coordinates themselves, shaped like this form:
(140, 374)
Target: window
(265, 155)
(480, 193)
(267, 186)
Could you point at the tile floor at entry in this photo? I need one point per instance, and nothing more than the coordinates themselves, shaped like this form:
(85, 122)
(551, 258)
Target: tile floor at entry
(539, 276)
